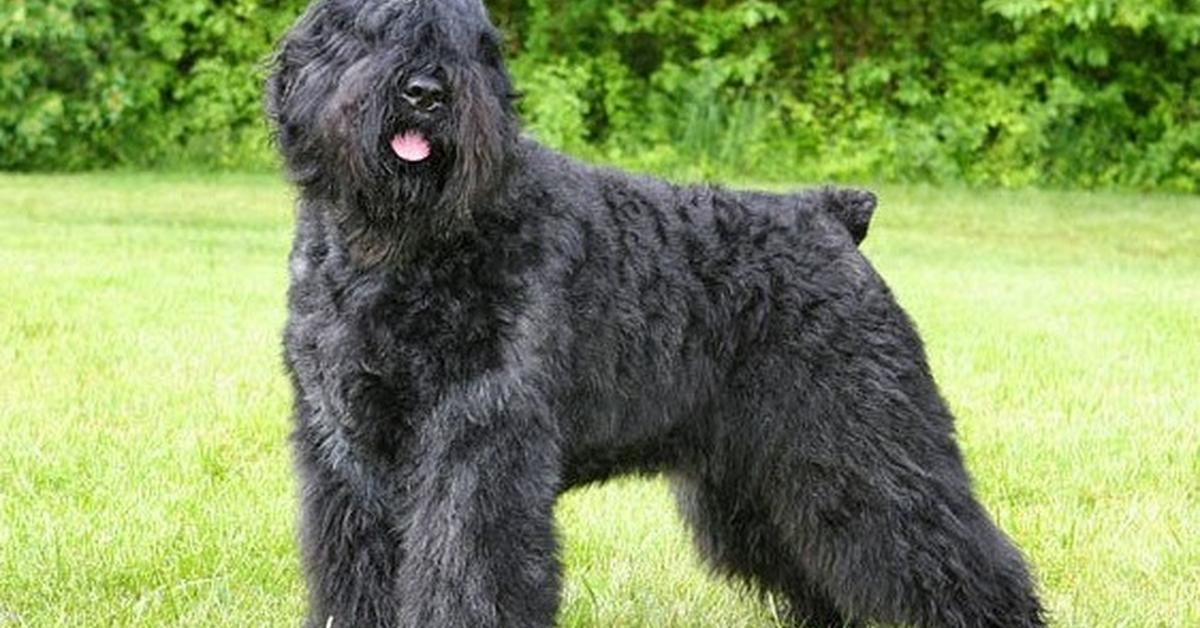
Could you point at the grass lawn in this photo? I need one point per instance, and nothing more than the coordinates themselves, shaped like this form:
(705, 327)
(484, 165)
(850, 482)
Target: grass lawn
(144, 472)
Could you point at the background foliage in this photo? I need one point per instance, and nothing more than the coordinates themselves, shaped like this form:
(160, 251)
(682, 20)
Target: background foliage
(1088, 93)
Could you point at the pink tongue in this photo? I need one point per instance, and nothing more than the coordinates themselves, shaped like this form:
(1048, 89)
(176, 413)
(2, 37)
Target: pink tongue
(411, 146)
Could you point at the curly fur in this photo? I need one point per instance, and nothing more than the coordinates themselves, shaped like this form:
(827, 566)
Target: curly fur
(474, 334)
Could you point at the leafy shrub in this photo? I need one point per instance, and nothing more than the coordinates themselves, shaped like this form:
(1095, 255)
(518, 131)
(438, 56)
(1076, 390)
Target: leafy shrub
(95, 84)
(1001, 92)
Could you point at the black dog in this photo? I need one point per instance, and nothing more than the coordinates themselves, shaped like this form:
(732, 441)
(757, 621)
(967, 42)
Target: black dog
(478, 324)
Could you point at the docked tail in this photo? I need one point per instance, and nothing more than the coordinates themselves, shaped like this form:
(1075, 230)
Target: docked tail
(852, 207)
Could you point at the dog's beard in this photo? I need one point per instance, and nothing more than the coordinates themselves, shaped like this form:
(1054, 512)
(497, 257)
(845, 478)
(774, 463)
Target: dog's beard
(416, 184)
(396, 200)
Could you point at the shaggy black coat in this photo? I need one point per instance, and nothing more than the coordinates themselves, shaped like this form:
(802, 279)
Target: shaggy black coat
(478, 328)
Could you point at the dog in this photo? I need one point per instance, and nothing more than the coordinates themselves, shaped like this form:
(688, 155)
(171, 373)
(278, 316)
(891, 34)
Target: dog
(477, 324)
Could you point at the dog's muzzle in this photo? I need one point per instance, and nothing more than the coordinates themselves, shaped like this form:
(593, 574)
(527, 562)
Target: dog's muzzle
(425, 95)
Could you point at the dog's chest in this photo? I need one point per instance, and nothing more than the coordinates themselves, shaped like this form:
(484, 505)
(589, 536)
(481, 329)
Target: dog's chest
(373, 351)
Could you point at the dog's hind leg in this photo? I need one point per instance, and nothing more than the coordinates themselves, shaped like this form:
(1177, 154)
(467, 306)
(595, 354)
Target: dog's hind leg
(734, 535)
(868, 492)
(919, 553)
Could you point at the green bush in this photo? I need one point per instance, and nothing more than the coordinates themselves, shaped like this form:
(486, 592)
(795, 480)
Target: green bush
(95, 84)
(1091, 93)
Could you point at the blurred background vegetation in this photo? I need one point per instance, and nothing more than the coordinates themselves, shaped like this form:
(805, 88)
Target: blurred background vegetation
(1063, 93)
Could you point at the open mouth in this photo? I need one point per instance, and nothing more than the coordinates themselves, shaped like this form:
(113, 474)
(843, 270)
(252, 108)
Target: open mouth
(411, 146)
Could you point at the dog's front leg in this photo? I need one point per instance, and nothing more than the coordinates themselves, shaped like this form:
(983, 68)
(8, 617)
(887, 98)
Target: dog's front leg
(480, 547)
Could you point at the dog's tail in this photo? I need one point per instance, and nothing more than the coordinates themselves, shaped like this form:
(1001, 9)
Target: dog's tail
(852, 207)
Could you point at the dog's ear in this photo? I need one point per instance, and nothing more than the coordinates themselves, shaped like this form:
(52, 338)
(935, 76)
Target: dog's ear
(486, 131)
(282, 112)
(283, 68)
(275, 87)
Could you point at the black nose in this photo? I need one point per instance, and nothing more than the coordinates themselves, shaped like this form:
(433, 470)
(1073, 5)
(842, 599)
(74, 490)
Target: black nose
(425, 93)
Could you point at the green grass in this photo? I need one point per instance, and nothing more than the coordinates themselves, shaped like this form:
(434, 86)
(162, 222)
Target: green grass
(144, 472)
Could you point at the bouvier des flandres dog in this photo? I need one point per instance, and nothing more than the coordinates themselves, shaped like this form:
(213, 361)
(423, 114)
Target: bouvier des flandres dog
(478, 324)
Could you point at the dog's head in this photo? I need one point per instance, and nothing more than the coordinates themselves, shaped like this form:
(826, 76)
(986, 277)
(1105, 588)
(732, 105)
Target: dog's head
(398, 111)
